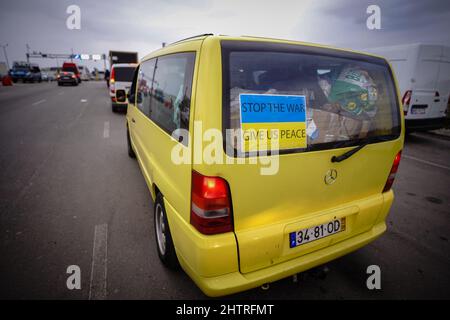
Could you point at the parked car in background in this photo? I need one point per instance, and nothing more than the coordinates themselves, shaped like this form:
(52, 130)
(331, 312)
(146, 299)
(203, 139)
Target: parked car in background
(72, 67)
(423, 74)
(67, 77)
(119, 84)
(49, 73)
(25, 72)
(44, 76)
(303, 145)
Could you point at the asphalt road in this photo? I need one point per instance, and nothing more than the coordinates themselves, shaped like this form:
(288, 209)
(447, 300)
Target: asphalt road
(65, 170)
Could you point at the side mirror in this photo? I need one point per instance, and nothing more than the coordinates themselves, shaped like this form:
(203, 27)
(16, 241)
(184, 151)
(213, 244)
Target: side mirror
(132, 97)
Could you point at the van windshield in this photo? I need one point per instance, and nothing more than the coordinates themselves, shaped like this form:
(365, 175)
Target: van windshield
(316, 98)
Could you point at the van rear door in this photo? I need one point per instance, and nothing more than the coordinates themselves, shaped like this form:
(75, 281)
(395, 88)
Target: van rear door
(443, 83)
(426, 101)
(348, 100)
(123, 76)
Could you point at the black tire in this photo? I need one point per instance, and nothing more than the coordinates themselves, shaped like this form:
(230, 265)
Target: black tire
(113, 108)
(131, 153)
(167, 256)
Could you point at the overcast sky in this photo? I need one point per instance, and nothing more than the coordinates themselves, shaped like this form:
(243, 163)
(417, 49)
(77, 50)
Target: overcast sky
(143, 25)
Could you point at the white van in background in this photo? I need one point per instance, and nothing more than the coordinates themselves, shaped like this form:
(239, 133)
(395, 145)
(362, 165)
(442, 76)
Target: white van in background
(85, 74)
(423, 75)
(119, 84)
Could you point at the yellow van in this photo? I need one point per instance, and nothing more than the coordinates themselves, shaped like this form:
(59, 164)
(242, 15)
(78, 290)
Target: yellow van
(264, 157)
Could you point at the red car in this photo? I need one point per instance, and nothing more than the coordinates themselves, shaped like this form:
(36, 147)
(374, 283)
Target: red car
(72, 67)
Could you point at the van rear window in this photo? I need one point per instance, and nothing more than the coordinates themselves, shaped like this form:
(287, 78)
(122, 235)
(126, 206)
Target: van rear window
(308, 98)
(124, 74)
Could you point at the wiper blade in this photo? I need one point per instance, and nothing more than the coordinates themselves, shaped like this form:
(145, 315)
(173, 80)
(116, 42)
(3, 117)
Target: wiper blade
(351, 152)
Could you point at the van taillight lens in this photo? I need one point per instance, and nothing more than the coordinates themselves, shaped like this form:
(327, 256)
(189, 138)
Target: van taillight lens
(406, 101)
(211, 205)
(112, 76)
(394, 169)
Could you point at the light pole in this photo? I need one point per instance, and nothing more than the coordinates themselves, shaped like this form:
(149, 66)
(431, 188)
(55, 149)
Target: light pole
(6, 56)
(28, 53)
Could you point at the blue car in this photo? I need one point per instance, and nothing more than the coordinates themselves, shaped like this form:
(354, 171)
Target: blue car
(25, 72)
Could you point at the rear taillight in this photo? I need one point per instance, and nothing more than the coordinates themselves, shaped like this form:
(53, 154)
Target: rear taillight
(211, 204)
(73, 76)
(406, 101)
(394, 169)
(112, 76)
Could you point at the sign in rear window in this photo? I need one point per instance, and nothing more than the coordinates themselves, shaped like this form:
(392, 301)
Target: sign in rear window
(267, 119)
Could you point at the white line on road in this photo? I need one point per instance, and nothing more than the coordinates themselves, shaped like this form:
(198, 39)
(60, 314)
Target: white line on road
(38, 102)
(97, 289)
(427, 162)
(83, 100)
(106, 129)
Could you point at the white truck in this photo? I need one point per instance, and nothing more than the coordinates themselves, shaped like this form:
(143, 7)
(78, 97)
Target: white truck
(423, 75)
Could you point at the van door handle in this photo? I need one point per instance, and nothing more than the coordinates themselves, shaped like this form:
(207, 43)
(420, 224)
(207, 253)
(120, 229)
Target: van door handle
(132, 119)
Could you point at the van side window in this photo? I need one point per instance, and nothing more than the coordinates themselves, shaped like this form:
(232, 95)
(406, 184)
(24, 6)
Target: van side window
(144, 85)
(171, 91)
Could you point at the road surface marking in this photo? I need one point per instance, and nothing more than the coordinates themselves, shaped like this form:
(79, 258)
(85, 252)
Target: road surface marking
(97, 288)
(38, 102)
(427, 162)
(106, 129)
(83, 100)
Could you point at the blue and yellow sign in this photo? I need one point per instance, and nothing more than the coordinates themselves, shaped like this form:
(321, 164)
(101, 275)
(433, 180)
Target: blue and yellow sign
(272, 121)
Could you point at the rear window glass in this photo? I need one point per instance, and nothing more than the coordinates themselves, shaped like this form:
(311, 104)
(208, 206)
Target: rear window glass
(70, 69)
(124, 73)
(315, 100)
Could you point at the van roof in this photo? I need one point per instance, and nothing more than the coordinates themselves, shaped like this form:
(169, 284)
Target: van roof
(253, 38)
(124, 65)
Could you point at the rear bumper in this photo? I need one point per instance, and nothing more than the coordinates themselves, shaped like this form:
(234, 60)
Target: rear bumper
(424, 124)
(236, 281)
(119, 105)
(212, 262)
(69, 81)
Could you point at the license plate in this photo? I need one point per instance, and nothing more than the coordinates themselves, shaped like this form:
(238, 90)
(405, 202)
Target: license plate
(307, 235)
(418, 111)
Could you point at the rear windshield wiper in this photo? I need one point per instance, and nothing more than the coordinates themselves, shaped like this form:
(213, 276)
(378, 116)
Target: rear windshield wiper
(351, 152)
